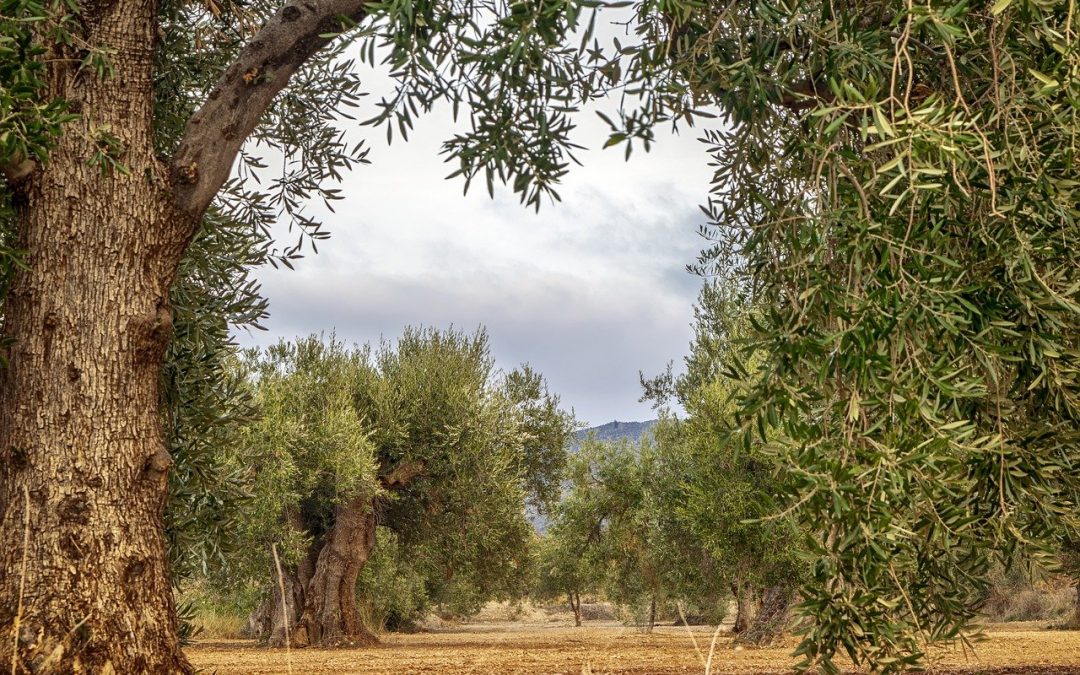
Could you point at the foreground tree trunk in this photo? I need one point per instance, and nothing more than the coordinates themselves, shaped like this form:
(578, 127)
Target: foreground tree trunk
(575, 607)
(83, 461)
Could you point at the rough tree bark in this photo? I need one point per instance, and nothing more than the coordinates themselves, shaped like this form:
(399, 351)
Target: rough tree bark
(771, 620)
(270, 620)
(83, 462)
(575, 606)
(327, 578)
(317, 606)
(744, 605)
(331, 616)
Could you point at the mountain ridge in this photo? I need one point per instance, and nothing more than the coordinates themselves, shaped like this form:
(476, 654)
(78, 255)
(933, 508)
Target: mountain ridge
(614, 431)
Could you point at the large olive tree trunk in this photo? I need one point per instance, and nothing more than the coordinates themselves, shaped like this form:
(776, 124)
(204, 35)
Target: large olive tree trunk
(320, 605)
(326, 579)
(331, 616)
(83, 462)
(772, 618)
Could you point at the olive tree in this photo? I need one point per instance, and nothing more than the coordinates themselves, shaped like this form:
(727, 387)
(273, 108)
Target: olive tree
(120, 130)
(420, 439)
(895, 184)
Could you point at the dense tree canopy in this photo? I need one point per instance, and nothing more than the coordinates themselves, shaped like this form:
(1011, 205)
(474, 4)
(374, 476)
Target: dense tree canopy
(896, 182)
(422, 439)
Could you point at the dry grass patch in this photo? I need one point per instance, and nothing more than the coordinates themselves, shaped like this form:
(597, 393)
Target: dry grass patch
(513, 649)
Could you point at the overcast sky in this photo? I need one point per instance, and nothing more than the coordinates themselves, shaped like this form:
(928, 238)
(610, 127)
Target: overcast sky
(589, 291)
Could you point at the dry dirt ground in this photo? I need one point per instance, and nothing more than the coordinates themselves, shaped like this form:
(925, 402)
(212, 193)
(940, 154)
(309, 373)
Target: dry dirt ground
(606, 648)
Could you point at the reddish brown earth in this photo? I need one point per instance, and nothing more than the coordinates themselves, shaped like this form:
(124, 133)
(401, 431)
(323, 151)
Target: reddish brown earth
(609, 649)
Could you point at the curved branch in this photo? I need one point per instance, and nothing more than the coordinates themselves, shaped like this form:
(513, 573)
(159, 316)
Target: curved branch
(215, 134)
(403, 474)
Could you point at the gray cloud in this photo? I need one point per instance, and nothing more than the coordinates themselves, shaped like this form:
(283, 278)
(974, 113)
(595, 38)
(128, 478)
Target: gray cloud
(589, 291)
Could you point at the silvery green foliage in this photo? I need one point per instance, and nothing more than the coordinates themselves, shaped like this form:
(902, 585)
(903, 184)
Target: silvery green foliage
(896, 185)
(339, 422)
(505, 66)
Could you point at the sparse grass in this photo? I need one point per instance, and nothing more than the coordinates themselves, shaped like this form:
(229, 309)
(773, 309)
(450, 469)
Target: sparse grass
(1052, 599)
(214, 624)
(212, 617)
(612, 650)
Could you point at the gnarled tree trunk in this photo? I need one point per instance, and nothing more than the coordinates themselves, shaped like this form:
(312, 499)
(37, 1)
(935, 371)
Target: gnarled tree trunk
(327, 577)
(744, 605)
(83, 461)
(276, 619)
(771, 620)
(278, 612)
(331, 615)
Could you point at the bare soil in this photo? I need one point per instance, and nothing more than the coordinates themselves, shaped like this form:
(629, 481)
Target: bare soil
(608, 648)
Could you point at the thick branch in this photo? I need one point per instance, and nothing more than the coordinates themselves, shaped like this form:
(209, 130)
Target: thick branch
(403, 474)
(805, 94)
(215, 134)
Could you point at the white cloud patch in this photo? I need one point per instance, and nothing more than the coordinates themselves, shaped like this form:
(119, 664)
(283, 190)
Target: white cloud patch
(590, 290)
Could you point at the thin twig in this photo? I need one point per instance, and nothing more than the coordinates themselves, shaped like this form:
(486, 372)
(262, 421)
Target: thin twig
(284, 606)
(712, 650)
(678, 606)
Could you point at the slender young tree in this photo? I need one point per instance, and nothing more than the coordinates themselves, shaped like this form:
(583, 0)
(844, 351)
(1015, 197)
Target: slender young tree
(121, 127)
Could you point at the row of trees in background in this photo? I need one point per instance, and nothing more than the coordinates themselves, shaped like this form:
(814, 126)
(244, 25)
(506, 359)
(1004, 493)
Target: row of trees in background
(395, 478)
(685, 521)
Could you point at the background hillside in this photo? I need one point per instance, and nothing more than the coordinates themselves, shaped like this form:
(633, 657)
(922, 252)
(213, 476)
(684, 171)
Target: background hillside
(613, 431)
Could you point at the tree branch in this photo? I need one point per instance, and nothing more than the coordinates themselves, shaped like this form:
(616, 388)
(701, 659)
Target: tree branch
(17, 169)
(805, 94)
(403, 474)
(215, 134)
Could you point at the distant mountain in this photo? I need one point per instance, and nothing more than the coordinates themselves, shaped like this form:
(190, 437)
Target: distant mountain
(614, 431)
